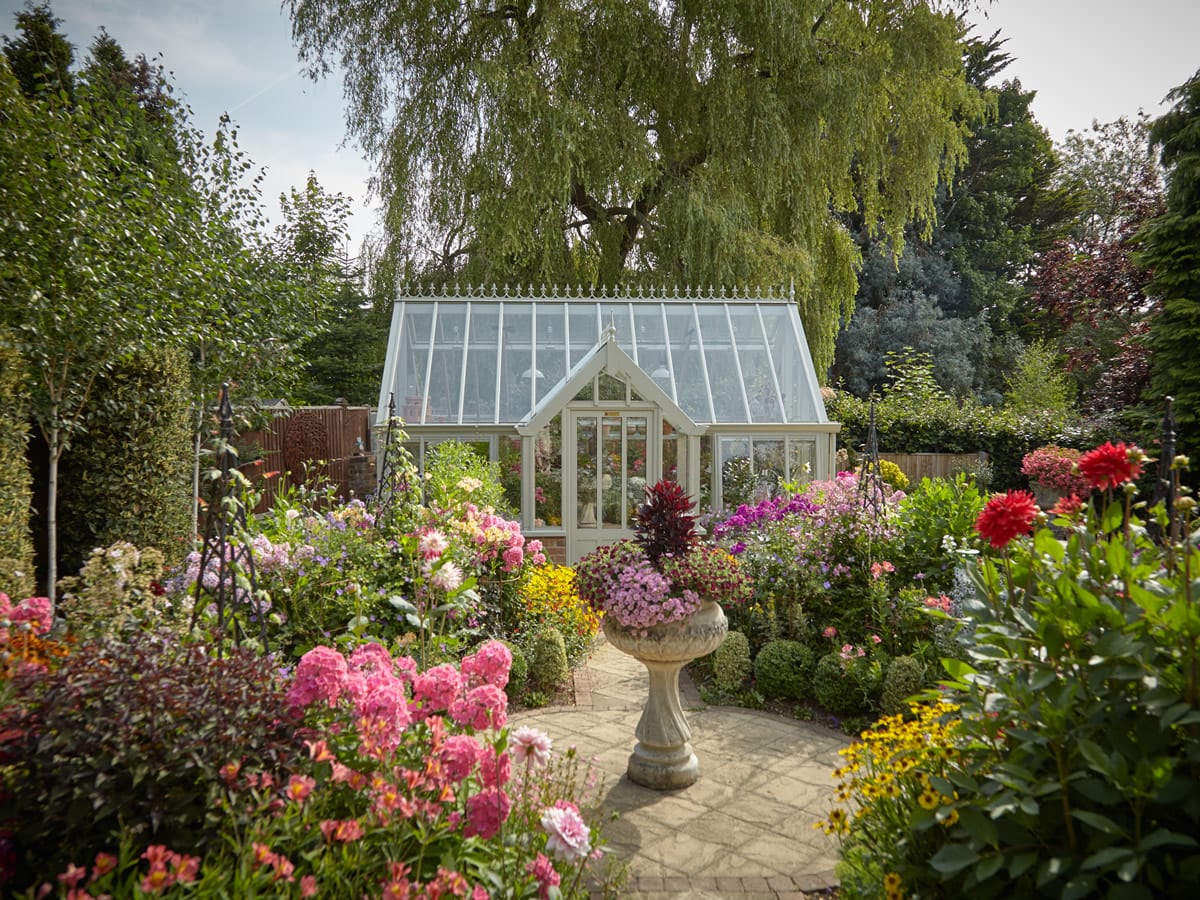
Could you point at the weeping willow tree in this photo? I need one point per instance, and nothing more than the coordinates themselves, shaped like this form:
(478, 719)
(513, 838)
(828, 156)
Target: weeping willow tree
(707, 142)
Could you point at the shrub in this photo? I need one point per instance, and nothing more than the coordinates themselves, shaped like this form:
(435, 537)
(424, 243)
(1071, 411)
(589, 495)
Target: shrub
(92, 754)
(518, 672)
(891, 474)
(16, 543)
(128, 476)
(904, 677)
(548, 596)
(936, 523)
(548, 668)
(845, 685)
(731, 663)
(117, 589)
(783, 670)
(455, 473)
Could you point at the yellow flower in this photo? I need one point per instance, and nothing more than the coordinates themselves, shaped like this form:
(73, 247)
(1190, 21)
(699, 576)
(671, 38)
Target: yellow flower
(950, 818)
(929, 798)
(892, 882)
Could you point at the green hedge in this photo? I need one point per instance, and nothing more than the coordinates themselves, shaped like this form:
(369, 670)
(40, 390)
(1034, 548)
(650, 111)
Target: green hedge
(943, 425)
(16, 482)
(128, 476)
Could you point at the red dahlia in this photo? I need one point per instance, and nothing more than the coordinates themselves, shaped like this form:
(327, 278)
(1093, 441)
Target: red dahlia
(1067, 506)
(1006, 516)
(1111, 464)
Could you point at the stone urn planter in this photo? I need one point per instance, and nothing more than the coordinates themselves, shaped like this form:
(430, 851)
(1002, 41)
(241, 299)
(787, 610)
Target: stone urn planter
(663, 758)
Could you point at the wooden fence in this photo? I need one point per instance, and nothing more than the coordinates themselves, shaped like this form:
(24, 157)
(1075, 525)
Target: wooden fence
(332, 443)
(933, 465)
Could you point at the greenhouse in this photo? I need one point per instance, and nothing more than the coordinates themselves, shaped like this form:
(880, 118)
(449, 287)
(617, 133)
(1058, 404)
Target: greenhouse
(583, 399)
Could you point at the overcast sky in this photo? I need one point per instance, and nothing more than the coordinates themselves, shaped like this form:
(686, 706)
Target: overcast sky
(1087, 59)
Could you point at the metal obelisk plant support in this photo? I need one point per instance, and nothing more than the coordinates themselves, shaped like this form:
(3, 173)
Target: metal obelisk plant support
(870, 482)
(227, 578)
(396, 472)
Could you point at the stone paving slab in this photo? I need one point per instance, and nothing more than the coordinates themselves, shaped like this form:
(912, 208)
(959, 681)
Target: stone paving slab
(744, 829)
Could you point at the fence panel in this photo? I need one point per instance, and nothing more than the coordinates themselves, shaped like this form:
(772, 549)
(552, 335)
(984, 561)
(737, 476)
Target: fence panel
(933, 465)
(307, 443)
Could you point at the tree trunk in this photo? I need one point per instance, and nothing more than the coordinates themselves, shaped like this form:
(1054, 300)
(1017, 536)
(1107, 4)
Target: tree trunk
(54, 446)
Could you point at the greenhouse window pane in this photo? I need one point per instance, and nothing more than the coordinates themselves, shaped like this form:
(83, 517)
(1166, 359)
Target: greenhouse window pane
(516, 361)
(547, 465)
(788, 363)
(550, 346)
(479, 389)
(802, 460)
(761, 393)
(445, 371)
(769, 465)
(651, 340)
(722, 367)
(690, 382)
(737, 476)
(418, 318)
(510, 469)
(585, 333)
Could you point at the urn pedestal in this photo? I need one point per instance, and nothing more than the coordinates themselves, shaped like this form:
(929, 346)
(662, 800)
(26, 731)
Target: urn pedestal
(663, 758)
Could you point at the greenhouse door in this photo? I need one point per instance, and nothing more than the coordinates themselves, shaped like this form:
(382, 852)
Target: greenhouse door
(613, 462)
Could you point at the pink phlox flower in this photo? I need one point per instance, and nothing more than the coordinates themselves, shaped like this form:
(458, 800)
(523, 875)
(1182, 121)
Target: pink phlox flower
(490, 664)
(829, 632)
(486, 812)
(320, 675)
(435, 689)
(482, 707)
(514, 557)
(495, 769)
(542, 869)
(568, 835)
(876, 639)
(35, 611)
(458, 756)
(530, 745)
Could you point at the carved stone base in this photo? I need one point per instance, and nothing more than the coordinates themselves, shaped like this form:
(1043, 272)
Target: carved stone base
(663, 758)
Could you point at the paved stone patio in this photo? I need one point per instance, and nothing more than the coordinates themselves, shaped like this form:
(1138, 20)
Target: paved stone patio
(744, 830)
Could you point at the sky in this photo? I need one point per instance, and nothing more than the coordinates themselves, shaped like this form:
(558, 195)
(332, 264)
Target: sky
(1088, 60)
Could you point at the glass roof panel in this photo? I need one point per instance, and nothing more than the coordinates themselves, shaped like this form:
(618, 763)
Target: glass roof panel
(788, 363)
(445, 362)
(517, 375)
(415, 327)
(486, 359)
(758, 377)
(479, 385)
(690, 381)
(583, 319)
(728, 402)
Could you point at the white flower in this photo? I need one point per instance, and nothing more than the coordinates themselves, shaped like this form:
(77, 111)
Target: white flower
(530, 745)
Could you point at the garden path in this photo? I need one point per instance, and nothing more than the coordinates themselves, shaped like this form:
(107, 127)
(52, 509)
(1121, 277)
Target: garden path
(743, 830)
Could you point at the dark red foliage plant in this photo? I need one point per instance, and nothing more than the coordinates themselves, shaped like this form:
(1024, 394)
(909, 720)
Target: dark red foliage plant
(664, 524)
(127, 737)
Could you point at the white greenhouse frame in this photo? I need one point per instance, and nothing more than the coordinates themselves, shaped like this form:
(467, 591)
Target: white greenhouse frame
(572, 392)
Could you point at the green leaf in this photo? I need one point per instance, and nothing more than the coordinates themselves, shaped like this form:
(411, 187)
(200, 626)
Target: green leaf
(989, 866)
(953, 858)
(1099, 822)
(978, 826)
(1078, 887)
(1106, 857)
(1021, 864)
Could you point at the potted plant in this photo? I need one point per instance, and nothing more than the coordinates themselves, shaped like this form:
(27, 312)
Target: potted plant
(1053, 472)
(660, 596)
